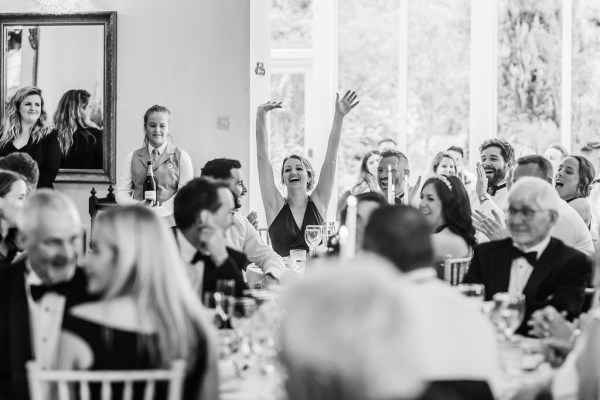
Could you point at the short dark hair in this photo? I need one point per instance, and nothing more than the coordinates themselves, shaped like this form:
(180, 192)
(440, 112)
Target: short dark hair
(394, 153)
(458, 150)
(586, 175)
(506, 149)
(220, 168)
(197, 195)
(590, 146)
(22, 164)
(543, 164)
(367, 196)
(400, 234)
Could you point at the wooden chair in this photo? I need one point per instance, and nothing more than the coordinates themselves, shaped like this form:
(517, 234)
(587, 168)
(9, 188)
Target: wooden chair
(98, 204)
(455, 269)
(63, 382)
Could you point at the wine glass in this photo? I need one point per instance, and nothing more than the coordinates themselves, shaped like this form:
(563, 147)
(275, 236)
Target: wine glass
(508, 312)
(312, 236)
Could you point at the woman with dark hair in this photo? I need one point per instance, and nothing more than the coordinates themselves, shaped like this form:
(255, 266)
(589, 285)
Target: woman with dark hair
(80, 139)
(445, 206)
(172, 166)
(13, 191)
(25, 129)
(287, 217)
(368, 170)
(573, 181)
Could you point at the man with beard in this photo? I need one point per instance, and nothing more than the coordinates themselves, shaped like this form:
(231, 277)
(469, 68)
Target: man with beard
(497, 156)
(36, 291)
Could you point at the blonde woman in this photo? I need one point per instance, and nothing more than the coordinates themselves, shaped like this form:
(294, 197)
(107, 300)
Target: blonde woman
(80, 139)
(148, 314)
(287, 217)
(25, 129)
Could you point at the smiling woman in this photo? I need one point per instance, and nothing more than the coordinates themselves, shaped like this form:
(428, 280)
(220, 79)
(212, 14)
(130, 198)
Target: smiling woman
(573, 181)
(171, 166)
(25, 129)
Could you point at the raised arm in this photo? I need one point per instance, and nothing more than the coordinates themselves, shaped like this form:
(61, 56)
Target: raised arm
(322, 193)
(272, 199)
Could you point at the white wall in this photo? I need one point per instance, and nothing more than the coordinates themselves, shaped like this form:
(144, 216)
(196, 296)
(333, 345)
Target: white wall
(189, 55)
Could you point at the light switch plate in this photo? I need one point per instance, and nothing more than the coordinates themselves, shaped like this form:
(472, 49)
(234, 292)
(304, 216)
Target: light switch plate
(223, 123)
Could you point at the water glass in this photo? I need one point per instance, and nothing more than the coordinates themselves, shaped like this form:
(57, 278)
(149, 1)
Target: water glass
(297, 259)
(508, 312)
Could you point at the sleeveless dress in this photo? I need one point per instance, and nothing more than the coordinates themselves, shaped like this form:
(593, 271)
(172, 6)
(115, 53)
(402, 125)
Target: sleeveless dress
(284, 232)
(589, 226)
(116, 349)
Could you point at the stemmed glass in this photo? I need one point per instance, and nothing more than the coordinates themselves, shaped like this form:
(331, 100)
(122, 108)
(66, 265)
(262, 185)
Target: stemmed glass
(508, 313)
(329, 229)
(312, 236)
(244, 308)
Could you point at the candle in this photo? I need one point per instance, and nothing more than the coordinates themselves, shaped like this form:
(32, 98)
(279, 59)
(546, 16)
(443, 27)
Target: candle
(343, 233)
(350, 247)
(390, 186)
(406, 190)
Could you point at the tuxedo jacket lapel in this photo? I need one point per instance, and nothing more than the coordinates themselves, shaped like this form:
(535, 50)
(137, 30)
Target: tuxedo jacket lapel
(544, 267)
(500, 267)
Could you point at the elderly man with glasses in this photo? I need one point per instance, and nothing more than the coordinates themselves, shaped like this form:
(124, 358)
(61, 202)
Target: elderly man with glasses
(531, 262)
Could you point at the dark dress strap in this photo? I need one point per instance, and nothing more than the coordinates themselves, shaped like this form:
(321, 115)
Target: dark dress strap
(285, 234)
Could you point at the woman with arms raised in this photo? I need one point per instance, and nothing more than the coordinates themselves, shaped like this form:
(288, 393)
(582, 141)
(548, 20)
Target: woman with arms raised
(148, 314)
(25, 129)
(287, 217)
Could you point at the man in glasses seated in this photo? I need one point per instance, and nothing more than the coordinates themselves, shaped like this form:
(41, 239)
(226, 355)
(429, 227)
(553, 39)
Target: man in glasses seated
(531, 262)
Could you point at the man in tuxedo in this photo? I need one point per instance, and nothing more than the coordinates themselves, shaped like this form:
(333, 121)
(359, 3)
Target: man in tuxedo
(497, 156)
(242, 235)
(396, 162)
(531, 262)
(203, 211)
(456, 344)
(36, 290)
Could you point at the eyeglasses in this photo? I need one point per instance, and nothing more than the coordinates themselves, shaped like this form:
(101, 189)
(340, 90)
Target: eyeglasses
(527, 213)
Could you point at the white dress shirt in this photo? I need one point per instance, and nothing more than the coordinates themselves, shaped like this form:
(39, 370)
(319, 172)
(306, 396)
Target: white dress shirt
(571, 229)
(456, 341)
(520, 269)
(195, 271)
(242, 236)
(124, 188)
(45, 319)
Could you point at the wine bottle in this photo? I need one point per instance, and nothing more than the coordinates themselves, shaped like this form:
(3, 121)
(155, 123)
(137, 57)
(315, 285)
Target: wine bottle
(150, 186)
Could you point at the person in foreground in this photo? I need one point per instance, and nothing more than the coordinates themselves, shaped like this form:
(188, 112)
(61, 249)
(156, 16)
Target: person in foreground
(347, 335)
(26, 129)
(36, 290)
(460, 356)
(13, 191)
(24, 165)
(531, 262)
(203, 213)
(287, 217)
(147, 315)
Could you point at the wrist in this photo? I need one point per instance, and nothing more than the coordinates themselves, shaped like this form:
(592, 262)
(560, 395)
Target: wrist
(483, 198)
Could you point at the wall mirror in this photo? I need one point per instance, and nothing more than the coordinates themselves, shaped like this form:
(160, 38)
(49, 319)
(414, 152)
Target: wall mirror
(64, 52)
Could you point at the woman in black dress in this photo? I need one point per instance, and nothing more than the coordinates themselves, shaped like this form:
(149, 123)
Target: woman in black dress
(148, 314)
(25, 129)
(80, 138)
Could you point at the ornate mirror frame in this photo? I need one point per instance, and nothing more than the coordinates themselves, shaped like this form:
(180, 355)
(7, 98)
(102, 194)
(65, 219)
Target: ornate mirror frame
(108, 20)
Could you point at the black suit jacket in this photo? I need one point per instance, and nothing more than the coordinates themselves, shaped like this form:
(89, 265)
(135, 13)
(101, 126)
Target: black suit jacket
(559, 278)
(15, 332)
(231, 269)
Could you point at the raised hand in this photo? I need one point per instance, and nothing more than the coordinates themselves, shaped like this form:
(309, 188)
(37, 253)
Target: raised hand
(268, 106)
(482, 181)
(346, 104)
(253, 219)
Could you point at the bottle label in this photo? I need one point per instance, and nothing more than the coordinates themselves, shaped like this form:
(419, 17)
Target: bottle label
(150, 195)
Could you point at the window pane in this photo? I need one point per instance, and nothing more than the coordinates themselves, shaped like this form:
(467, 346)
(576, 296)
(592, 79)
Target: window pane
(368, 64)
(291, 24)
(438, 79)
(586, 73)
(287, 124)
(529, 73)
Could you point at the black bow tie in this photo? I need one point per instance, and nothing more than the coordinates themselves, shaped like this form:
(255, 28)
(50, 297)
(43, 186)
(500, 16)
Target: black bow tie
(492, 190)
(531, 256)
(38, 291)
(200, 257)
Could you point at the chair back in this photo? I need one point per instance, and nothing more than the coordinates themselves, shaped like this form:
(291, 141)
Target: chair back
(63, 383)
(96, 204)
(455, 269)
